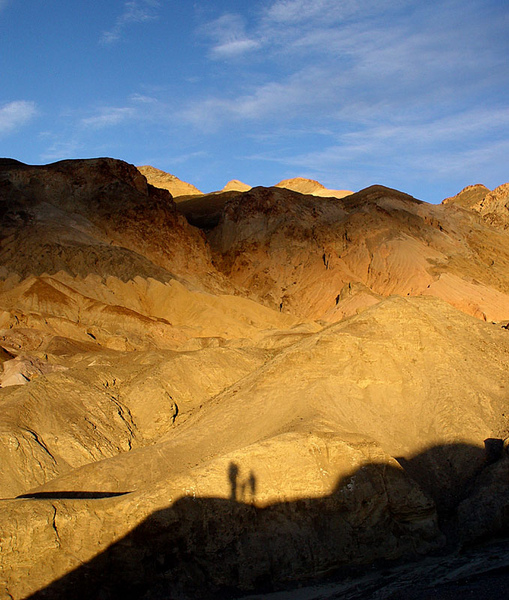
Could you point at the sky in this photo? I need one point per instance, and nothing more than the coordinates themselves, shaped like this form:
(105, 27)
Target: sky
(410, 94)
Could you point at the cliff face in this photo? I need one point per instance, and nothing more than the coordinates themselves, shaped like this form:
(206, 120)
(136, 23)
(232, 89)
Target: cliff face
(297, 385)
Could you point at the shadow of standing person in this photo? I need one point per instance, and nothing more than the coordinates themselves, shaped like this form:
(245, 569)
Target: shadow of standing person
(233, 473)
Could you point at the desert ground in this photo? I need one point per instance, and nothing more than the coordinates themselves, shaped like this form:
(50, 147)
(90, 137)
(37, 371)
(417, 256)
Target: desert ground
(261, 392)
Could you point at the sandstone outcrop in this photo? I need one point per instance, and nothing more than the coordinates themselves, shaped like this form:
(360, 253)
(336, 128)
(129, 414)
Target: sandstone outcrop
(494, 207)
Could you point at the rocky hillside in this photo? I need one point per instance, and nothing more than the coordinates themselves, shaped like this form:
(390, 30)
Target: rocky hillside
(493, 206)
(245, 390)
(327, 259)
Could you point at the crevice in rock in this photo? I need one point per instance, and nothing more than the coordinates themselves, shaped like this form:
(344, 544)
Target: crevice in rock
(54, 525)
(40, 443)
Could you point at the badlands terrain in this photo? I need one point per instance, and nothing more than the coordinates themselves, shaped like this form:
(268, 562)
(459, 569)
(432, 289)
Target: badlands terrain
(235, 393)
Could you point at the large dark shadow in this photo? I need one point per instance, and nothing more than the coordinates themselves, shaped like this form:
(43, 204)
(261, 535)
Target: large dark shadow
(224, 547)
(205, 211)
(447, 472)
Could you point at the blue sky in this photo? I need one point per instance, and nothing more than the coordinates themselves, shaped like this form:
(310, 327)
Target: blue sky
(409, 94)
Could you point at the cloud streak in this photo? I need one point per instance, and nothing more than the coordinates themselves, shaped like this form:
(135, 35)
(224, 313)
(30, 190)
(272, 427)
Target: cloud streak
(290, 12)
(229, 37)
(16, 114)
(135, 11)
(109, 117)
(300, 95)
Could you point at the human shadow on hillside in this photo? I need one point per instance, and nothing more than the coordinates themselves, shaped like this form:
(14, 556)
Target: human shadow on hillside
(210, 547)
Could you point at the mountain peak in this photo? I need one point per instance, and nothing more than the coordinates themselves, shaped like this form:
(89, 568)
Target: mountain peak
(301, 185)
(311, 187)
(468, 196)
(234, 185)
(166, 181)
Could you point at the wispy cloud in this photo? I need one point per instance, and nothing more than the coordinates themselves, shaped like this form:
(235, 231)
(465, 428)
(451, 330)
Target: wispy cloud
(82, 129)
(479, 162)
(325, 11)
(137, 108)
(135, 11)
(353, 61)
(304, 92)
(109, 117)
(184, 158)
(229, 38)
(16, 114)
(144, 99)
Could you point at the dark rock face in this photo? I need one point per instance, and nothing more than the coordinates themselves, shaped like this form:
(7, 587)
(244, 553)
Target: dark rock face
(93, 216)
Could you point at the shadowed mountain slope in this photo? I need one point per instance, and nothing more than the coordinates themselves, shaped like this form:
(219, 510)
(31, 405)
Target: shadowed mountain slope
(216, 546)
(101, 212)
